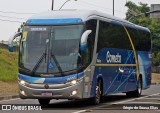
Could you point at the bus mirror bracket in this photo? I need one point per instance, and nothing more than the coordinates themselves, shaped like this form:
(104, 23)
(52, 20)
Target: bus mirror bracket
(10, 41)
(84, 38)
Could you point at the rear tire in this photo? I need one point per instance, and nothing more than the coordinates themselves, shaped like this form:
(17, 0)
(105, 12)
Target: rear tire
(137, 92)
(44, 102)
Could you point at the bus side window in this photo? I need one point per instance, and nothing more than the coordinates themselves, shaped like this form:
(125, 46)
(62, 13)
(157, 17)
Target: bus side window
(112, 35)
(91, 25)
(145, 41)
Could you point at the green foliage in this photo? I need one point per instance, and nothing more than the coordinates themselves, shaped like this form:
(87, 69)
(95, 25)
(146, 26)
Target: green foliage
(145, 21)
(155, 30)
(134, 9)
(156, 58)
(8, 65)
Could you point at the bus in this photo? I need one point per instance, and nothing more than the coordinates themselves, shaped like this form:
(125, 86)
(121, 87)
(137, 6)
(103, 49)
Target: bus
(82, 54)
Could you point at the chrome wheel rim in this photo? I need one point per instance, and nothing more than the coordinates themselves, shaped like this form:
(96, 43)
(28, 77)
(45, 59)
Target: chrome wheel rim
(139, 87)
(98, 94)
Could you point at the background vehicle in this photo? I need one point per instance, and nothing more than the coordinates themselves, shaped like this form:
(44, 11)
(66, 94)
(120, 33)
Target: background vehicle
(113, 56)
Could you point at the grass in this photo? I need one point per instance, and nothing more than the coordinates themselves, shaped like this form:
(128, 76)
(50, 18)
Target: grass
(8, 65)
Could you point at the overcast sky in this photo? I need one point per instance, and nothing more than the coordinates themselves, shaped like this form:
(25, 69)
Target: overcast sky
(35, 6)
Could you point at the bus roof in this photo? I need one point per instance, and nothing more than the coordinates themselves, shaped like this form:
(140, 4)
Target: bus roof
(75, 15)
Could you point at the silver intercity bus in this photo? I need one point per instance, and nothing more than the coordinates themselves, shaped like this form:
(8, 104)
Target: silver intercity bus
(79, 54)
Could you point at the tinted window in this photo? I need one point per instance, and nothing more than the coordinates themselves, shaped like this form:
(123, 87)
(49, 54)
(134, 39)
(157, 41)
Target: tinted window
(112, 36)
(91, 25)
(145, 41)
(141, 39)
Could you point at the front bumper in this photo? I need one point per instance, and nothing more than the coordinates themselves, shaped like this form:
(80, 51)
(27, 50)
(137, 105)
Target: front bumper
(59, 91)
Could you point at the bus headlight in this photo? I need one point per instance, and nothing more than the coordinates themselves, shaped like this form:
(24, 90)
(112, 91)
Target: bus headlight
(73, 82)
(22, 82)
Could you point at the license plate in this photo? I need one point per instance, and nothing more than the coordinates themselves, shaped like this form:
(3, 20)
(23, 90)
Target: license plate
(47, 94)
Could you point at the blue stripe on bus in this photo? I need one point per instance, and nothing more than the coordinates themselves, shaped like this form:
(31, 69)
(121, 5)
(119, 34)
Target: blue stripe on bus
(54, 21)
(64, 79)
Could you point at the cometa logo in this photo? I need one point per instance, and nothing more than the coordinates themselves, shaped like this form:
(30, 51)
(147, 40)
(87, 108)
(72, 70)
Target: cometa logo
(113, 58)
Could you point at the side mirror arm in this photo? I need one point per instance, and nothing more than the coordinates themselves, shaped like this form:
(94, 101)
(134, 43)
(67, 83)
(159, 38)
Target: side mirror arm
(84, 38)
(10, 41)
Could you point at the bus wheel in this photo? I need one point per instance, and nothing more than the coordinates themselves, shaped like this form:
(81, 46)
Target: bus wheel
(43, 102)
(137, 92)
(97, 98)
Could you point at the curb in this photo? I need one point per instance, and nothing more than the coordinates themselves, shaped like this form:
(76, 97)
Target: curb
(155, 83)
(9, 97)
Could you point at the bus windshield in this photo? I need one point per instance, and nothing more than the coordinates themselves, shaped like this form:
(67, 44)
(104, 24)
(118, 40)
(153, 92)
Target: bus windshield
(50, 49)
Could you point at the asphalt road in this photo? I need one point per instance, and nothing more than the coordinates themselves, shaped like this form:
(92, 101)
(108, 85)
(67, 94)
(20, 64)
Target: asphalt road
(149, 102)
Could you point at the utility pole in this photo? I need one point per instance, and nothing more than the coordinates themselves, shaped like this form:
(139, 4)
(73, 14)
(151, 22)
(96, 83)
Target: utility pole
(113, 7)
(52, 5)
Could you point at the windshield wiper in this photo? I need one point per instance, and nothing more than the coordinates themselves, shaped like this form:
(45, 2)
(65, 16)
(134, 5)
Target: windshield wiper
(41, 59)
(38, 63)
(57, 64)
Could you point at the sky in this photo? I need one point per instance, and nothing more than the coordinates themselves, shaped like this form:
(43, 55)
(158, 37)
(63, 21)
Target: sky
(14, 12)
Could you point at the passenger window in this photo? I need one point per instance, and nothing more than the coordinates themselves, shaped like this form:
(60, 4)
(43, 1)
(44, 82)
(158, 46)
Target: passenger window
(112, 36)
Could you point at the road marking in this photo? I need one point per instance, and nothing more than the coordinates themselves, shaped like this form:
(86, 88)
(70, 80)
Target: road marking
(9, 100)
(158, 99)
(136, 98)
(109, 104)
(80, 111)
(142, 103)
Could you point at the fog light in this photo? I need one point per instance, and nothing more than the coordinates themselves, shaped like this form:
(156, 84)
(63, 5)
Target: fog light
(23, 93)
(73, 82)
(74, 92)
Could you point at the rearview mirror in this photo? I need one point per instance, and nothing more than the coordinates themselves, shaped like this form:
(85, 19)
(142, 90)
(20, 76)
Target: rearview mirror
(10, 41)
(83, 44)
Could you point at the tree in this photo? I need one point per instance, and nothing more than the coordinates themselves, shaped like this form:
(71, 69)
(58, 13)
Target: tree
(156, 59)
(145, 21)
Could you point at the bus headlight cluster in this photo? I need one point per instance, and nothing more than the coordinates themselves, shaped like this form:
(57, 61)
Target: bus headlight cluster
(22, 82)
(73, 82)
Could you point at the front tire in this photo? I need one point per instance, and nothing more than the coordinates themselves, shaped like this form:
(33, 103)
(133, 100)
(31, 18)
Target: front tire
(97, 97)
(44, 102)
